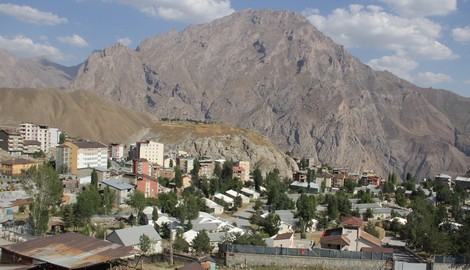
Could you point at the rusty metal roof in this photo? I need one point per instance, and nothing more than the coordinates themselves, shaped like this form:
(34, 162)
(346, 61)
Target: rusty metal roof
(71, 250)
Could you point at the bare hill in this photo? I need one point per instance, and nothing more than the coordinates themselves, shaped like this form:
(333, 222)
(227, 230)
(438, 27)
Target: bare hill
(82, 114)
(273, 72)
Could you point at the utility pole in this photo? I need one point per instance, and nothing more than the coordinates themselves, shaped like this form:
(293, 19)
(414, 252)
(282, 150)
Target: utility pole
(171, 244)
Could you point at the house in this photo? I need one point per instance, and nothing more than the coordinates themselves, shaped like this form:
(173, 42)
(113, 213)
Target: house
(443, 178)
(313, 188)
(130, 237)
(463, 181)
(350, 236)
(122, 189)
(285, 240)
(250, 193)
(215, 208)
(225, 200)
(147, 185)
(15, 167)
(66, 251)
(233, 194)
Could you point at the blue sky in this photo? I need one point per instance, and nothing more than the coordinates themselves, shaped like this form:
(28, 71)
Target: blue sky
(424, 41)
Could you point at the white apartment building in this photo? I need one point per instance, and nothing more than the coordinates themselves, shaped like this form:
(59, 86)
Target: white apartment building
(47, 136)
(116, 151)
(151, 151)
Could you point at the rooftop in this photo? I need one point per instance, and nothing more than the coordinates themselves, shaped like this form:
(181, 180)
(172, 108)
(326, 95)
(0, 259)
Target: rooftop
(19, 161)
(90, 144)
(117, 184)
(71, 250)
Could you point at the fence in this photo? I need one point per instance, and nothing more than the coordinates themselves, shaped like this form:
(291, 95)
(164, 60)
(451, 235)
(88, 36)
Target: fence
(313, 252)
(451, 259)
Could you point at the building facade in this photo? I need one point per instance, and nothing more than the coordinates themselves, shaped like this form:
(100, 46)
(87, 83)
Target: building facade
(151, 151)
(11, 141)
(48, 136)
(82, 155)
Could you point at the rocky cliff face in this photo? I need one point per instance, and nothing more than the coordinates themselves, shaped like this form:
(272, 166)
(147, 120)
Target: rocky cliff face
(273, 72)
(37, 73)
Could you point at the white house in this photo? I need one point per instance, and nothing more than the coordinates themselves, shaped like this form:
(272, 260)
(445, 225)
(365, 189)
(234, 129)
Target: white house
(234, 194)
(215, 208)
(130, 237)
(254, 195)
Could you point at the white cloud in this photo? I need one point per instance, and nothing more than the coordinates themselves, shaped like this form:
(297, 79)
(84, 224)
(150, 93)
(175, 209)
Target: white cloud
(430, 78)
(31, 15)
(422, 8)
(461, 34)
(190, 11)
(399, 66)
(372, 27)
(74, 40)
(125, 41)
(25, 47)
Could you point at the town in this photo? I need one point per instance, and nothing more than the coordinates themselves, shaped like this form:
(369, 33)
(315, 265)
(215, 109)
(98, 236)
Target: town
(80, 204)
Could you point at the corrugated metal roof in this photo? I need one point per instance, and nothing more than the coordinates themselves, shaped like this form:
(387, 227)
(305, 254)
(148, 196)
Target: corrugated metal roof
(131, 236)
(71, 250)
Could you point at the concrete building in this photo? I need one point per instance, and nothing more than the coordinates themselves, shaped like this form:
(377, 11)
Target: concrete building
(47, 136)
(151, 151)
(81, 155)
(116, 151)
(122, 190)
(245, 173)
(11, 141)
(15, 167)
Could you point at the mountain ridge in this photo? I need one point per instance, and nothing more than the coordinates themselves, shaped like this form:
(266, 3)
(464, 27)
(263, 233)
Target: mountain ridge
(275, 73)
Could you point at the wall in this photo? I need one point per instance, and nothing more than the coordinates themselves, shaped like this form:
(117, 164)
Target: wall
(233, 259)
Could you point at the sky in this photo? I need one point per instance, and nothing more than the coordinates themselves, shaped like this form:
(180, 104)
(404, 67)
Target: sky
(426, 42)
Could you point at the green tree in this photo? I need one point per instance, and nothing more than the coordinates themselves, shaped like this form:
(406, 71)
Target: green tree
(369, 213)
(192, 208)
(107, 199)
(349, 185)
(178, 177)
(171, 163)
(88, 204)
(94, 178)
(196, 168)
(67, 215)
(145, 244)
(258, 179)
(370, 228)
(155, 214)
(367, 197)
(218, 170)
(137, 201)
(201, 243)
(167, 202)
(62, 138)
(306, 208)
(400, 197)
(227, 170)
(180, 245)
(271, 224)
(249, 238)
(43, 186)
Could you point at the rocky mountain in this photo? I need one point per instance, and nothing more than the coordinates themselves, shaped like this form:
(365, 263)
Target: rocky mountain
(35, 72)
(81, 114)
(275, 73)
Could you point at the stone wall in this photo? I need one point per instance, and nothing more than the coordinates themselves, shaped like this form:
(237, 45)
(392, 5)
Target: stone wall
(242, 259)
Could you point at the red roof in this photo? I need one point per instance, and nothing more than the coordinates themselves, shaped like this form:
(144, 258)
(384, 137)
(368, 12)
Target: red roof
(351, 221)
(283, 236)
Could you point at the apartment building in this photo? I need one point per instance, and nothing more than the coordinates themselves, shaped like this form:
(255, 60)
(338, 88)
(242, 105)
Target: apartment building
(81, 155)
(11, 141)
(151, 151)
(47, 136)
(116, 151)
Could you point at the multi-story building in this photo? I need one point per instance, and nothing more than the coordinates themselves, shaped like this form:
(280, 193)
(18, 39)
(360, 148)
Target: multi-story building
(11, 141)
(151, 151)
(116, 151)
(82, 155)
(15, 167)
(47, 136)
(31, 146)
(246, 169)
